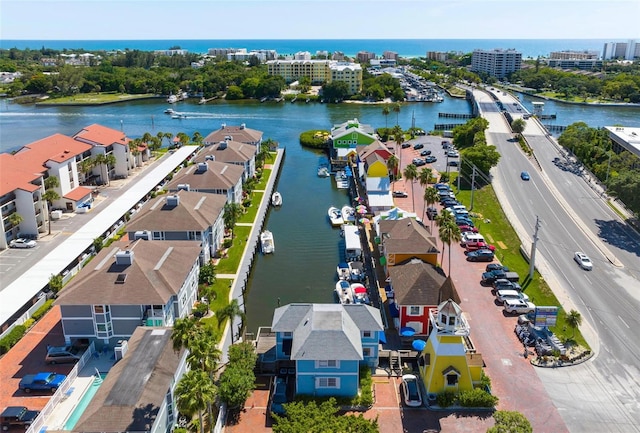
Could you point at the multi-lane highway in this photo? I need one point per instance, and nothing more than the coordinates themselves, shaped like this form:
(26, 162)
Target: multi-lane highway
(602, 394)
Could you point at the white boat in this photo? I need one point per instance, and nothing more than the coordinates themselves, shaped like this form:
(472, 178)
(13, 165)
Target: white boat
(169, 111)
(335, 216)
(276, 199)
(266, 242)
(323, 172)
(356, 271)
(341, 180)
(348, 214)
(344, 292)
(343, 271)
(172, 99)
(359, 293)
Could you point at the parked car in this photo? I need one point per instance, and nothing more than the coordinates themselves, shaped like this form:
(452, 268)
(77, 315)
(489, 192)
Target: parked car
(418, 162)
(442, 186)
(429, 159)
(504, 294)
(22, 243)
(17, 416)
(583, 260)
(62, 354)
(452, 154)
(453, 163)
(489, 277)
(465, 228)
(405, 145)
(480, 256)
(445, 143)
(432, 212)
(425, 152)
(418, 146)
(503, 283)
(46, 381)
(525, 175)
(279, 396)
(518, 306)
(479, 245)
(400, 194)
(411, 390)
(496, 267)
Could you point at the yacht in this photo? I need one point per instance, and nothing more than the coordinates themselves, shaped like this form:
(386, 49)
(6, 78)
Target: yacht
(266, 242)
(276, 199)
(335, 216)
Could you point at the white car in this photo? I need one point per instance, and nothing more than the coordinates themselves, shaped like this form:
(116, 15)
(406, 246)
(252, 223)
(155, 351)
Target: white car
(518, 306)
(22, 243)
(504, 294)
(411, 390)
(583, 260)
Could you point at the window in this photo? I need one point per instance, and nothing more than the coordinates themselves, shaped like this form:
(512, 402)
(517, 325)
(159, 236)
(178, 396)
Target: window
(366, 352)
(452, 379)
(327, 382)
(100, 309)
(366, 334)
(331, 363)
(288, 334)
(415, 310)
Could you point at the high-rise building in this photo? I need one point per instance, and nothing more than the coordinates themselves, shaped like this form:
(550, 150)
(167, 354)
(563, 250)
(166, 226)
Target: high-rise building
(621, 50)
(497, 63)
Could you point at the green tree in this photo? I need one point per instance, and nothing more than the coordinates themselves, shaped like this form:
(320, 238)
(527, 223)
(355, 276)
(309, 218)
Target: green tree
(410, 174)
(15, 219)
(424, 177)
(203, 354)
(230, 312)
(518, 126)
(183, 330)
(232, 211)
(194, 393)
(510, 422)
(398, 137)
(483, 156)
(55, 283)
(321, 418)
(50, 194)
(431, 197)
(207, 274)
(574, 320)
(238, 379)
(85, 166)
(449, 233)
(385, 112)
(396, 109)
(392, 166)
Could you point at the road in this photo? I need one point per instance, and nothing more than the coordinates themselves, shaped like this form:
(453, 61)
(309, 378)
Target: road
(604, 393)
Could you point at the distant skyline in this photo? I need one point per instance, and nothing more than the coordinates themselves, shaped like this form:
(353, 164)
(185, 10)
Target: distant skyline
(318, 19)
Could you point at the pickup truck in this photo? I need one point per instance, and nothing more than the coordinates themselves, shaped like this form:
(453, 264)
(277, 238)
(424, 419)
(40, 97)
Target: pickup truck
(489, 277)
(14, 416)
(41, 382)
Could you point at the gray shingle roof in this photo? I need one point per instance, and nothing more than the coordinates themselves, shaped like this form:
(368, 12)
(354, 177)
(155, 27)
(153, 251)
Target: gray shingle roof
(239, 133)
(218, 175)
(232, 152)
(326, 331)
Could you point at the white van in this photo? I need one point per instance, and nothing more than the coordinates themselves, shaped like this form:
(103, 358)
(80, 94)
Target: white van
(471, 237)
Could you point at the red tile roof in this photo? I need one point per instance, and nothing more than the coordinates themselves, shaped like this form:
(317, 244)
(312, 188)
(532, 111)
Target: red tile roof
(101, 135)
(78, 193)
(13, 177)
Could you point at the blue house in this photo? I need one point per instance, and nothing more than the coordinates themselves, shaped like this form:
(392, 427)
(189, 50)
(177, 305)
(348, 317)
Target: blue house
(329, 344)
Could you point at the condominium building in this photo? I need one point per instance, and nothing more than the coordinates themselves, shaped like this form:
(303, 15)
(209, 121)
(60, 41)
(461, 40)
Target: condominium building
(437, 56)
(365, 56)
(573, 55)
(497, 63)
(318, 71)
(585, 64)
(621, 50)
(350, 73)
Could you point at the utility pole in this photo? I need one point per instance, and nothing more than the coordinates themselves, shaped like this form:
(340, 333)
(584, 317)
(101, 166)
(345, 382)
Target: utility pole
(473, 185)
(459, 176)
(532, 259)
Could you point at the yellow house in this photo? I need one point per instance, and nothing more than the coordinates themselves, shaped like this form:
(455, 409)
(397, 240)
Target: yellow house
(449, 361)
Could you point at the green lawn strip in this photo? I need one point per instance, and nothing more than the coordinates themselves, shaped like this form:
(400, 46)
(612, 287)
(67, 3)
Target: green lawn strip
(499, 230)
(222, 286)
(230, 263)
(266, 174)
(94, 98)
(250, 215)
(271, 158)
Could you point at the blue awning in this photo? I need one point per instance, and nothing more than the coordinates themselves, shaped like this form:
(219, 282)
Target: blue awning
(382, 338)
(419, 345)
(407, 331)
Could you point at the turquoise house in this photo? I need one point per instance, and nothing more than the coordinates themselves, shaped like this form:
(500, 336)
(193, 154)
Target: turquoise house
(328, 344)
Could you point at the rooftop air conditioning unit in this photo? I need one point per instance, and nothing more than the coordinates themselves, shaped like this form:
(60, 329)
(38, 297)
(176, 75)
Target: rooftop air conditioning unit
(173, 200)
(142, 234)
(228, 138)
(202, 166)
(210, 158)
(242, 126)
(124, 258)
(222, 145)
(184, 187)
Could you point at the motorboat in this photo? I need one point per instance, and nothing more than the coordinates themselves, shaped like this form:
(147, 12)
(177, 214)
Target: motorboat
(169, 111)
(266, 242)
(343, 271)
(356, 271)
(359, 293)
(335, 216)
(344, 292)
(323, 172)
(276, 199)
(348, 214)
(172, 99)
(342, 181)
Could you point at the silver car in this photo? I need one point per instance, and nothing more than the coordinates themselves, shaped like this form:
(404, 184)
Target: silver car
(22, 243)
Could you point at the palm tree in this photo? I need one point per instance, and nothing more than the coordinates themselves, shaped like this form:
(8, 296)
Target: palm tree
(85, 166)
(392, 166)
(449, 233)
(197, 138)
(232, 211)
(50, 194)
(396, 109)
(183, 330)
(398, 136)
(385, 112)
(231, 311)
(15, 219)
(203, 351)
(168, 136)
(431, 197)
(574, 320)
(410, 173)
(423, 179)
(194, 393)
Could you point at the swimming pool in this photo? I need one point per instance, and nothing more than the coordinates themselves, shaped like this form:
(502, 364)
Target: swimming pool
(84, 402)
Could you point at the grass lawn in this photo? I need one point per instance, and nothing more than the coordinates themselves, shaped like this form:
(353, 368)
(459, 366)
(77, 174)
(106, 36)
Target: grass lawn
(222, 286)
(230, 263)
(250, 214)
(94, 98)
(500, 233)
(266, 174)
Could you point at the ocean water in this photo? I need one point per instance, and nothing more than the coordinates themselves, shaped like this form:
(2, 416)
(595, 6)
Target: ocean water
(530, 48)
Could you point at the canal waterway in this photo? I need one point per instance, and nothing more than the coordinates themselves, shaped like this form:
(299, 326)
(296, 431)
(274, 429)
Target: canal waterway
(307, 247)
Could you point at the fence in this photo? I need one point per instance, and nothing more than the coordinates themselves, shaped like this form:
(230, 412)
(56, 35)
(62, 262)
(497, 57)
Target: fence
(42, 298)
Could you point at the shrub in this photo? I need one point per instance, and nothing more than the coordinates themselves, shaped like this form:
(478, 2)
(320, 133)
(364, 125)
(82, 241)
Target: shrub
(366, 388)
(28, 323)
(446, 398)
(40, 311)
(227, 243)
(477, 398)
(12, 338)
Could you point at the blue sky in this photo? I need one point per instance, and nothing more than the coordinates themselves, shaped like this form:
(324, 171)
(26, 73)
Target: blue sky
(319, 19)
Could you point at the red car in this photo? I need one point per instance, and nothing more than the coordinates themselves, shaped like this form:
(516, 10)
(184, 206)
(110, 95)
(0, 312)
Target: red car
(466, 228)
(473, 246)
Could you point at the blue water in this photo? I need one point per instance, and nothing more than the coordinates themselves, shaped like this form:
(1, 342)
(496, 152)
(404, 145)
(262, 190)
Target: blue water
(350, 47)
(83, 403)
